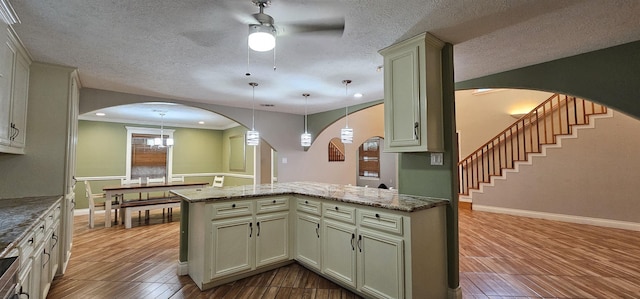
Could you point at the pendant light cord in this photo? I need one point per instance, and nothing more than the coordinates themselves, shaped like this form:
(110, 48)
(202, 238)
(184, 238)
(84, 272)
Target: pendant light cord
(305, 111)
(346, 105)
(253, 105)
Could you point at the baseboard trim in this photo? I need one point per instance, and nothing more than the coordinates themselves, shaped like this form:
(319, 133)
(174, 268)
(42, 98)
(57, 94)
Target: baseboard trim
(183, 268)
(634, 226)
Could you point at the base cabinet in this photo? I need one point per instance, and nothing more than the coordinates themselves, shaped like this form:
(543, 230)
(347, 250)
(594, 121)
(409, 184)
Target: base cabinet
(242, 236)
(308, 240)
(375, 252)
(232, 248)
(339, 252)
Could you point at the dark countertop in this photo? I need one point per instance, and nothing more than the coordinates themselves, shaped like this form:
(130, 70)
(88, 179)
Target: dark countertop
(374, 197)
(18, 216)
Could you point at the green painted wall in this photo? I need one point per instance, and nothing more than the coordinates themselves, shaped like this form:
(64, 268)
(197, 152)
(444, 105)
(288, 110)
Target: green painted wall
(41, 170)
(609, 76)
(317, 122)
(101, 151)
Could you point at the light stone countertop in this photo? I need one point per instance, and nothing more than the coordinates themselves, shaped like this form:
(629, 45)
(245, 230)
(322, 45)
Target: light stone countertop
(20, 215)
(374, 197)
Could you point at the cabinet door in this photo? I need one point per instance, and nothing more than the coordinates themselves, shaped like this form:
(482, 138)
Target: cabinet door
(232, 246)
(403, 101)
(7, 52)
(380, 264)
(19, 101)
(308, 240)
(272, 238)
(338, 251)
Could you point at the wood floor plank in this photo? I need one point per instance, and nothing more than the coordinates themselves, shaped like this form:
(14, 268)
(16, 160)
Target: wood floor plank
(501, 256)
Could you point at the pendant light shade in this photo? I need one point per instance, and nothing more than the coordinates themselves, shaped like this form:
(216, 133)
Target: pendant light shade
(160, 141)
(253, 137)
(346, 134)
(305, 138)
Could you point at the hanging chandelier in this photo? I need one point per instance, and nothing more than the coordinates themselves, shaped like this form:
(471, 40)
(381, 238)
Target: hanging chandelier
(346, 134)
(253, 137)
(305, 138)
(160, 141)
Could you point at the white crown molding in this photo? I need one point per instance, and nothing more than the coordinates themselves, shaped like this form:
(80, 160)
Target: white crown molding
(7, 13)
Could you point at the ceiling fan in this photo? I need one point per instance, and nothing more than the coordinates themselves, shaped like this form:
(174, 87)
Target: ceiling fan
(263, 31)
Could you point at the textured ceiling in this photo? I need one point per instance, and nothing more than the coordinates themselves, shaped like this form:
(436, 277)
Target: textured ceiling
(196, 50)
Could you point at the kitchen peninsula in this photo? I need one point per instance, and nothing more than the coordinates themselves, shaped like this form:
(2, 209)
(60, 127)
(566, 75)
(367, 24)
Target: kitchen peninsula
(376, 242)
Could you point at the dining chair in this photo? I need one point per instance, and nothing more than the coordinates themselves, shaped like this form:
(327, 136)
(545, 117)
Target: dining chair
(178, 178)
(95, 205)
(124, 181)
(218, 181)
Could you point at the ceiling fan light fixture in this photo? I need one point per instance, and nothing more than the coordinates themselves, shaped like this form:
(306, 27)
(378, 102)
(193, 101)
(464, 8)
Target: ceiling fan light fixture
(262, 38)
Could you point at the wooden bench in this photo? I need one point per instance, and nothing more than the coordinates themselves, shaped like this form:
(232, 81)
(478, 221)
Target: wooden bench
(147, 204)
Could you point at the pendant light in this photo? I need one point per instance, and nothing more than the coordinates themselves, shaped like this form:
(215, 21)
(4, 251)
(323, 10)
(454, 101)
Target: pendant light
(160, 141)
(253, 137)
(305, 138)
(346, 134)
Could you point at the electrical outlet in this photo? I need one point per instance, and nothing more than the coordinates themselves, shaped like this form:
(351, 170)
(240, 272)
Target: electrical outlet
(436, 158)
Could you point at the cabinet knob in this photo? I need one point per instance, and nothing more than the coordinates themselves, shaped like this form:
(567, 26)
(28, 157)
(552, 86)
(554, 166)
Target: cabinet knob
(336, 208)
(377, 215)
(274, 201)
(233, 205)
(306, 202)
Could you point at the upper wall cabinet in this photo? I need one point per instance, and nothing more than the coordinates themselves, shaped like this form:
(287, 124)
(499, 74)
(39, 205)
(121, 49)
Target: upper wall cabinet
(413, 95)
(14, 87)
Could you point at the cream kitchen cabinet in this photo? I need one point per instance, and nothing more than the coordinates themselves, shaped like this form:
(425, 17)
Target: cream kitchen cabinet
(14, 86)
(370, 260)
(307, 235)
(413, 95)
(243, 236)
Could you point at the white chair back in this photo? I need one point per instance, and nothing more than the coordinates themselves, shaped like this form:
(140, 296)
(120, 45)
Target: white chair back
(155, 180)
(178, 178)
(218, 181)
(131, 181)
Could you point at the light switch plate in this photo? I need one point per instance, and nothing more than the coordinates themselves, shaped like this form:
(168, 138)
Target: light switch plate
(436, 158)
(284, 160)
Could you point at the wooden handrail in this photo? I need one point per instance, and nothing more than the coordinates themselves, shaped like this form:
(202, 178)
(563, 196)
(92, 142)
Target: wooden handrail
(555, 116)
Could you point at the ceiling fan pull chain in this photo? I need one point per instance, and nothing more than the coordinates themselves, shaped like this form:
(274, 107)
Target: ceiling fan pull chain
(248, 55)
(274, 59)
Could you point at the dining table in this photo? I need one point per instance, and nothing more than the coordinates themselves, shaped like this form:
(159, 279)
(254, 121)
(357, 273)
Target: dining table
(111, 191)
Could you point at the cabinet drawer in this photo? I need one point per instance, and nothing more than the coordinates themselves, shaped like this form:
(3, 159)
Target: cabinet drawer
(39, 231)
(231, 209)
(49, 218)
(381, 221)
(308, 206)
(272, 205)
(339, 212)
(26, 247)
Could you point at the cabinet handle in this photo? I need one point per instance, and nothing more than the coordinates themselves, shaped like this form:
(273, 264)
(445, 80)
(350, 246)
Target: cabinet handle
(416, 130)
(258, 225)
(318, 230)
(250, 229)
(44, 251)
(55, 238)
(359, 245)
(353, 237)
(22, 293)
(30, 241)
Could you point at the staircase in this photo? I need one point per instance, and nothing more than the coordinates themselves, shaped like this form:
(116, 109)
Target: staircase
(336, 151)
(544, 126)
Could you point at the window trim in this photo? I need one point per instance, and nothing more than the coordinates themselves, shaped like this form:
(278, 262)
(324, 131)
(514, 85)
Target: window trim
(152, 131)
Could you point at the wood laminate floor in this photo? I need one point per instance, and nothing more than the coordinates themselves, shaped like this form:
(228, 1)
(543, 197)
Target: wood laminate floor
(501, 256)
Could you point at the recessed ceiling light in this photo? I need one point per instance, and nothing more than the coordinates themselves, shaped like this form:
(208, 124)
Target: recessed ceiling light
(100, 114)
(267, 105)
(201, 122)
(357, 95)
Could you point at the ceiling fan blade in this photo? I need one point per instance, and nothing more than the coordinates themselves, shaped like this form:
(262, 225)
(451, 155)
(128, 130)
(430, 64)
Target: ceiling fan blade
(327, 26)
